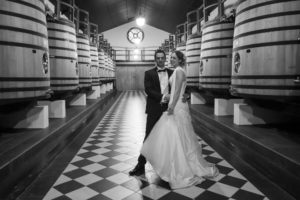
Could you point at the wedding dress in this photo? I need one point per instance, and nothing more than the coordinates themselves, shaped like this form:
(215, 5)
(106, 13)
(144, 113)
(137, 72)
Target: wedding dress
(172, 147)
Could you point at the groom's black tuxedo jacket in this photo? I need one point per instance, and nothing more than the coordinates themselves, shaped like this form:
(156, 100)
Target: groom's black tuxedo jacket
(152, 89)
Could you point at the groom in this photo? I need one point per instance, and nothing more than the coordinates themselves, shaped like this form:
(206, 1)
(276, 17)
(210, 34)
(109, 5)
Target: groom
(156, 84)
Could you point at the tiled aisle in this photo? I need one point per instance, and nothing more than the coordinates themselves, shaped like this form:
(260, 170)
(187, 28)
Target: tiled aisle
(100, 168)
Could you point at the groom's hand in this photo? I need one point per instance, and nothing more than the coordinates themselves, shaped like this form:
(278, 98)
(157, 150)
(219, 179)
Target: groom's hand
(185, 97)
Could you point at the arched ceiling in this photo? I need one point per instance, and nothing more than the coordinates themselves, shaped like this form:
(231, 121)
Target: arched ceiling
(161, 14)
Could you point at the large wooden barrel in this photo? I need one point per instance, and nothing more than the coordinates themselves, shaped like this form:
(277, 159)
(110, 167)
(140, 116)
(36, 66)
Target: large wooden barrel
(63, 55)
(94, 65)
(181, 47)
(193, 48)
(266, 54)
(216, 56)
(168, 61)
(110, 67)
(106, 66)
(101, 64)
(110, 63)
(24, 67)
(84, 61)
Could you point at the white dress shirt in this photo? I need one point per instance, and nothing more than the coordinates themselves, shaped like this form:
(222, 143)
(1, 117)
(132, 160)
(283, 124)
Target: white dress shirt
(164, 81)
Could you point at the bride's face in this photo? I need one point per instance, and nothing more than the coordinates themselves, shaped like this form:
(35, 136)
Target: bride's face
(174, 60)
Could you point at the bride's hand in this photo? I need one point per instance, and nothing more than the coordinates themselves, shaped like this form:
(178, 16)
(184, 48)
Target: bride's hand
(170, 111)
(166, 98)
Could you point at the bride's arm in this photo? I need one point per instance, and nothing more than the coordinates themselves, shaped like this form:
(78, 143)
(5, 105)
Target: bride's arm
(179, 79)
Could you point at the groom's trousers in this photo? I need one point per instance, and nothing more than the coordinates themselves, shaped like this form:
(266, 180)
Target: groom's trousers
(152, 118)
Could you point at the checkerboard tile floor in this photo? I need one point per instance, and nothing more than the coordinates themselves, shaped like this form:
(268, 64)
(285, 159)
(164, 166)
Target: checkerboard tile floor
(100, 168)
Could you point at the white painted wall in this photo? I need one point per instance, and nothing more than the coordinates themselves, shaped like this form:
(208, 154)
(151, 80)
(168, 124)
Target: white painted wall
(117, 37)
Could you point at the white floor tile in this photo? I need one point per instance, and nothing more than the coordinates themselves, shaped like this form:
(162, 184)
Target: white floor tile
(52, 194)
(223, 189)
(121, 166)
(70, 167)
(122, 157)
(101, 150)
(97, 158)
(118, 193)
(119, 178)
(191, 192)
(88, 179)
(62, 179)
(93, 167)
(251, 188)
(82, 194)
(154, 191)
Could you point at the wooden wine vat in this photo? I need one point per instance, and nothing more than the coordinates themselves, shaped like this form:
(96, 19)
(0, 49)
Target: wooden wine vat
(63, 55)
(182, 48)
(266, 50)
(101, 64)
(193, 48)
(216, 56)
(24, 66)
(84, 61)
(94, 65)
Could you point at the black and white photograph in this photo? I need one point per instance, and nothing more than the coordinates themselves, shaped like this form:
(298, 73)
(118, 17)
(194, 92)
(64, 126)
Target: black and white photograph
(149, 99)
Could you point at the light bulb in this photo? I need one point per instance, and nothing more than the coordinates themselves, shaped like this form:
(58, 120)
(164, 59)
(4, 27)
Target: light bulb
(140, 21)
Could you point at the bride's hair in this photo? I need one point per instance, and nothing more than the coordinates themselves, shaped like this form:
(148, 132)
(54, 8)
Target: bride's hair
(181, 58)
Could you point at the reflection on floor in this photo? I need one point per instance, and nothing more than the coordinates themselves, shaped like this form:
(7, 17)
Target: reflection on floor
(99, 170)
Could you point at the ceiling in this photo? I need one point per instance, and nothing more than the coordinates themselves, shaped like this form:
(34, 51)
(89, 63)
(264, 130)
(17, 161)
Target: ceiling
(161, 14)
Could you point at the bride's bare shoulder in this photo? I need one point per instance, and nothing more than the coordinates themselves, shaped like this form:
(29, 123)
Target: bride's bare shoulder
(180, 70)
(180, 73)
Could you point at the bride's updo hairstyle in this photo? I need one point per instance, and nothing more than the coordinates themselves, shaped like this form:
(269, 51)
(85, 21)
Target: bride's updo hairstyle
(181, 58)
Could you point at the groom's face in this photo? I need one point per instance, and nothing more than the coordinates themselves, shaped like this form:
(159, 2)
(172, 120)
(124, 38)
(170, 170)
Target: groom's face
(160, 60)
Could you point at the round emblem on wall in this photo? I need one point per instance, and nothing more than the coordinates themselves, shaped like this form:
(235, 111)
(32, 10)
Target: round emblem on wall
(135, 35)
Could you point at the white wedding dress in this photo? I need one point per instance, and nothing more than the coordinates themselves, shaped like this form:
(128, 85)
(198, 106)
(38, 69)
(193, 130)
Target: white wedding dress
(172, 147)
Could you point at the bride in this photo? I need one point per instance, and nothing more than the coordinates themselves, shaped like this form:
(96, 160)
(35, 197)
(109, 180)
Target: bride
(172, 147)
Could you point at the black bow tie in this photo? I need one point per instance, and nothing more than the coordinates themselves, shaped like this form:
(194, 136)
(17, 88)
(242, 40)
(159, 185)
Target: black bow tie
(162, 70)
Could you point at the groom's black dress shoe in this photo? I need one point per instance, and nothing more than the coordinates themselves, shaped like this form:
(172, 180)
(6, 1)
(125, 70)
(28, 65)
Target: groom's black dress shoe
(138, 170)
